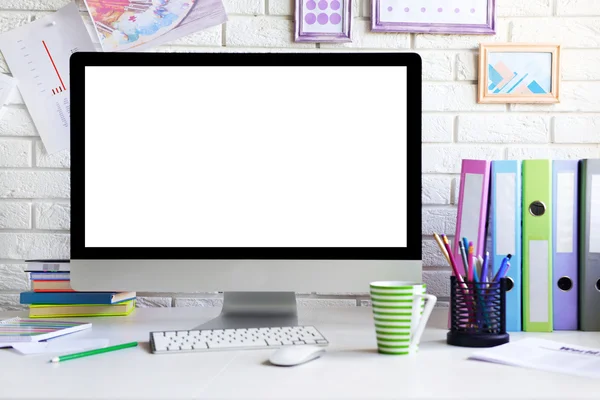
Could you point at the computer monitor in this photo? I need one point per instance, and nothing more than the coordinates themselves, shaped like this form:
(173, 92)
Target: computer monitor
(258, 175)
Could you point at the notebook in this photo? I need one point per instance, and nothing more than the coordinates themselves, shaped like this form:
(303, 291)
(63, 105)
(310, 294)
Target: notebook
(51, 286)
(28, 330)
(50, 276)
(75, 297)
(48, 266)
(81, 310)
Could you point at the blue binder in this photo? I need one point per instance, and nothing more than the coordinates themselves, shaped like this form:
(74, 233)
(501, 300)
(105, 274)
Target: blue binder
(506, 233)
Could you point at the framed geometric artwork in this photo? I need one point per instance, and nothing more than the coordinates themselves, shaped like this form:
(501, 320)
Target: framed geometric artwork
(519, 73)
(434, 16)
(323, 21)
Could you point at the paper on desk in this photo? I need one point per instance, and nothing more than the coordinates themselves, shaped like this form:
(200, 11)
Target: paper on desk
(59, 346)
(38, 56)
(7, 85)
(545, 355)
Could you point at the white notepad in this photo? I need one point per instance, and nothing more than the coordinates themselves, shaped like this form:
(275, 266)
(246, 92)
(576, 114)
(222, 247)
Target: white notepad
(545, 355)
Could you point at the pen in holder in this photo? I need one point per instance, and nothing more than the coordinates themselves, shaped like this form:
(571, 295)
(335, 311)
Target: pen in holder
(477, 313)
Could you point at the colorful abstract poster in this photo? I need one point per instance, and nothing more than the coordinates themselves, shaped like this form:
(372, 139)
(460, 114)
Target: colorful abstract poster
(519, 73)
(136, 25)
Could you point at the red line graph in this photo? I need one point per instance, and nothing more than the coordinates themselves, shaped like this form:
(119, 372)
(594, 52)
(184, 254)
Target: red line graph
(54, 65)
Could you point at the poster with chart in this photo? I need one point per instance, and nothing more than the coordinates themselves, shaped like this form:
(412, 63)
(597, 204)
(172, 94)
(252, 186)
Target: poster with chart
(38, 57)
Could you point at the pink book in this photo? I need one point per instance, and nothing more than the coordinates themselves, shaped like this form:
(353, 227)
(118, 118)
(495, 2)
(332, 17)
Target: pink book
(472, 208)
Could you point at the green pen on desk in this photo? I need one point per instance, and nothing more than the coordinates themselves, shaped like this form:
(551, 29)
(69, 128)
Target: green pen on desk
(93, 352)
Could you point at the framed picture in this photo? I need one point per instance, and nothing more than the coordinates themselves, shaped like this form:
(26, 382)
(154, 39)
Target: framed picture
(324, 21)
(434, 16)
(519, 73)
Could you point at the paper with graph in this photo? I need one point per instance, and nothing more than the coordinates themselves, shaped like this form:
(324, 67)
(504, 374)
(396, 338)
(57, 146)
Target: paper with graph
(38, 56)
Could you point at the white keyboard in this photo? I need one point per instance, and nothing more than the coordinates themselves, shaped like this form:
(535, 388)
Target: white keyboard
(234, 339)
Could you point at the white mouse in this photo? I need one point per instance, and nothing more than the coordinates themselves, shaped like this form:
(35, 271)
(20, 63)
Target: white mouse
(289, 356)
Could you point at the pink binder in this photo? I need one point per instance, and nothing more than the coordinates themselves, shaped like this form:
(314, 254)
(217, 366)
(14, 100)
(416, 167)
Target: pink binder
(472, 207)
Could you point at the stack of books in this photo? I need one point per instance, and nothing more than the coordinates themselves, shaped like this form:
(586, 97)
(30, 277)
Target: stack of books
(52, 295)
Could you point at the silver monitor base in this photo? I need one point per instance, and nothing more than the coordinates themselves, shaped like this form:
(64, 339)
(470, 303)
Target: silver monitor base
(255, 310)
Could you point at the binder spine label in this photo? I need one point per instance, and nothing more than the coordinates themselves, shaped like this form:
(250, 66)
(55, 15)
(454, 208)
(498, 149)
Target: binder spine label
(506, 213)
(594, 245)
(469, 224)
(565, 203)
(538, 272)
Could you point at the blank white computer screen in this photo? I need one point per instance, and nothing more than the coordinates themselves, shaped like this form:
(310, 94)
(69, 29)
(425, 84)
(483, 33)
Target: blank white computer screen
(245, 156)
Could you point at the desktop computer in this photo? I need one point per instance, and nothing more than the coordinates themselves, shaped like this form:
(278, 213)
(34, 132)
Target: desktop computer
(258, 175)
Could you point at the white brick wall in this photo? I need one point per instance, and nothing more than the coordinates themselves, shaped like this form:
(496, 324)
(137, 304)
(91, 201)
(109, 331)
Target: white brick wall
(34, 187)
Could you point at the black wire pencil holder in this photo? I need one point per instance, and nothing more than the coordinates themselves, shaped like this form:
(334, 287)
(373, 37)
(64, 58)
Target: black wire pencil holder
(477, 313)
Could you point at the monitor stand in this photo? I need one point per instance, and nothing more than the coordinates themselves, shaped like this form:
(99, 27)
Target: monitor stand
(255, 310)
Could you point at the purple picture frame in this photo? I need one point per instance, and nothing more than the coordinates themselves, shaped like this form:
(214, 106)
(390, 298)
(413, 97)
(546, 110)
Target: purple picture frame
(489, 28)
(304, 35)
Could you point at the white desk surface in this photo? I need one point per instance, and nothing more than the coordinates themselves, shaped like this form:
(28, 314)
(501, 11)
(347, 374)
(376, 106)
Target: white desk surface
(351, 369)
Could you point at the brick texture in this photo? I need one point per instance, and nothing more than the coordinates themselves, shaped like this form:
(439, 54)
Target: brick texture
(15, 215)
(503, 128)
(35, 186)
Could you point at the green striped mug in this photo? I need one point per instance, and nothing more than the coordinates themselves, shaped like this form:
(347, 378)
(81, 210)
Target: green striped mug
(400, 310)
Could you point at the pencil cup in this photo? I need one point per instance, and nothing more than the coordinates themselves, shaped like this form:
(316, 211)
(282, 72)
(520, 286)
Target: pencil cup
(477, 313)
(400, 310)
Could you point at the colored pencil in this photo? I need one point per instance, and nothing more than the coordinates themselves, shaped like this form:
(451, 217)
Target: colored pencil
(452, 261)
(93, 352)
(476, 269)
(463, 254)
(484, 267)
(442, 248)
(471, 266)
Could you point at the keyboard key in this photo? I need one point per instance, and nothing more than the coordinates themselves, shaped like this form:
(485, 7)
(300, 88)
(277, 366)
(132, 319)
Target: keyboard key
(273, 342)
(258, 343)
(160, 342)
(219, 345)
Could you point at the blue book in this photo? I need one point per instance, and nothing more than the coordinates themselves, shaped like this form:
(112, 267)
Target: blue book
(505, 219)
(50, 276)
(76, 297)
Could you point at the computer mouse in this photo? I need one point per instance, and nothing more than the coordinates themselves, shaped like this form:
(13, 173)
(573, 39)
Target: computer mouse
(289, 356)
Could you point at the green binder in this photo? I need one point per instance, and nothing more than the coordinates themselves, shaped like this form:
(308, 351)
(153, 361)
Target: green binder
(537, 246)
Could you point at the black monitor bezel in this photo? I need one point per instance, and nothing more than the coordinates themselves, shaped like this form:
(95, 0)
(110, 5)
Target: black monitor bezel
(412, 61)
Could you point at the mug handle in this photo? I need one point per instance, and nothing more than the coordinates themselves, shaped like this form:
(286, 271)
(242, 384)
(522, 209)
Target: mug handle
(430, 303)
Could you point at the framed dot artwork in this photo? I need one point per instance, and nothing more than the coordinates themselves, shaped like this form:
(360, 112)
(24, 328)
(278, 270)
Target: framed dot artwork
(434, 16)
(323, 21)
